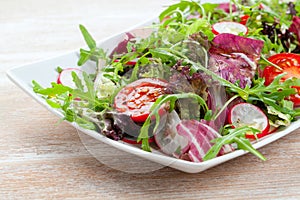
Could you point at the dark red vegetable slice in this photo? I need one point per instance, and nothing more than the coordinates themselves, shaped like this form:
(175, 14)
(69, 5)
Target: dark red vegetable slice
(136, 98)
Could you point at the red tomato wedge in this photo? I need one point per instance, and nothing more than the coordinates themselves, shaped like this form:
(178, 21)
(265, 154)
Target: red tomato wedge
(246, 114)
(290, 64)
(136, 98)
(229, 27)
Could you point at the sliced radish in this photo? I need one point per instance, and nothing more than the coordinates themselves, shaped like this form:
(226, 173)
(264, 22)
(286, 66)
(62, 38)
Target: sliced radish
(65, 77)
(246, 114)
(229, 27)
(130, 62)
(272, 129)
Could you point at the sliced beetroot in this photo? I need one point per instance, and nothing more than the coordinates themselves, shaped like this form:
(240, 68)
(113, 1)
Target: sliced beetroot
(199, 136)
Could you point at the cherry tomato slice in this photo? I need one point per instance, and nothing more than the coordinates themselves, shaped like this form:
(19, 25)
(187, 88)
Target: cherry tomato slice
(136, 98)
(290, 64)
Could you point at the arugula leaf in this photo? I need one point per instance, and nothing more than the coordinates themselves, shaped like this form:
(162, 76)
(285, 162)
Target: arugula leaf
(76, 104)
(94, 53)
(53, 104)
(181, 6)
(89, 84)
(85, 123)
(56, 89)
(275, 93)
(87, 37)
(245, 144)
(36, 86)
(84, 57)
(297, 6)
(77, 81)
(200, 25)
(237, 136)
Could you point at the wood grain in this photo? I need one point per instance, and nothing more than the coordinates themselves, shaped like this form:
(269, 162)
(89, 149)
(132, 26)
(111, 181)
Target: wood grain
(43, 159)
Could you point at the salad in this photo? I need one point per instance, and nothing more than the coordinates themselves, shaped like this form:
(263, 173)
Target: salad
(208, 79)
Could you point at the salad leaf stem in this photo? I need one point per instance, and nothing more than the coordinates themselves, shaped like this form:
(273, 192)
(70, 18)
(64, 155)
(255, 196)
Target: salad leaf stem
(224, 107)
(270, 63)
(245, 144)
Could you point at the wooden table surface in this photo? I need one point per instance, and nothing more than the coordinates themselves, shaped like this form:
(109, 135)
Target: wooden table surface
(43, 159)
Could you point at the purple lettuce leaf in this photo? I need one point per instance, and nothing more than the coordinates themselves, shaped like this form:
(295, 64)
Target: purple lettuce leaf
(235, 58)
(226, 7)
(295, 27)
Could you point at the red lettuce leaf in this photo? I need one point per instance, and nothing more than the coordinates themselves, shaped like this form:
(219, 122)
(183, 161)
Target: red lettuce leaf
(226, 7)
(295, 27)
(235, 57)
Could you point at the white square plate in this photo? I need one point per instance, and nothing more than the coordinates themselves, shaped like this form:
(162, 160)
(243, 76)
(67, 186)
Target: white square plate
(44, 73)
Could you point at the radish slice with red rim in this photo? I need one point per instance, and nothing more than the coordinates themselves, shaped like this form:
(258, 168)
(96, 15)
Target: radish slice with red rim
(132, 140)
(65, 77)
(229, 27)
(246, 114)
(130, 62)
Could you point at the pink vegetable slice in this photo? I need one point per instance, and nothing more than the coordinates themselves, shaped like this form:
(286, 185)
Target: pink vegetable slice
(229, 27)
(199, 136)
(65, 77)
(246, 114)
(131, 62)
